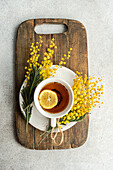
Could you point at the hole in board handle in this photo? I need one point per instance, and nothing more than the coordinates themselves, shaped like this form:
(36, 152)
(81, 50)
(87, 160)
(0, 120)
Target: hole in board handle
(50, 28)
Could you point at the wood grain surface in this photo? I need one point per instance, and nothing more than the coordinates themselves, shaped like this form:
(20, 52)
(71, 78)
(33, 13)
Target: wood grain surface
(75, 37)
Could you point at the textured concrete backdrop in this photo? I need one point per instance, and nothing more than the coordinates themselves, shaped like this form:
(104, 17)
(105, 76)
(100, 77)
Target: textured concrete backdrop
(97, 152)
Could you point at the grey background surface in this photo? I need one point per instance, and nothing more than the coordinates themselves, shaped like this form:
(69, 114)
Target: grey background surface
(97, 152)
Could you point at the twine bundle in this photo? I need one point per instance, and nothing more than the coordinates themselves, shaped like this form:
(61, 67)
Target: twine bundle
(56, 133)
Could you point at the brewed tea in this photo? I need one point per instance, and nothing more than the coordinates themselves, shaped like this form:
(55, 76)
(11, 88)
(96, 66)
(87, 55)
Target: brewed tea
(62, 94)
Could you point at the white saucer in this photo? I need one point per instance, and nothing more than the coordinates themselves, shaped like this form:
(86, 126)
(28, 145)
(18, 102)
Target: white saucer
(38, 120)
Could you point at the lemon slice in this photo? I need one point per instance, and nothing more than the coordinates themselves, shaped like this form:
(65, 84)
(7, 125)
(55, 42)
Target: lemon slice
(48, 99)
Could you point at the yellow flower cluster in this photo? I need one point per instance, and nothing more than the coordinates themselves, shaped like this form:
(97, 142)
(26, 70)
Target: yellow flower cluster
(33, 60)
(87, 95)
(45, 65)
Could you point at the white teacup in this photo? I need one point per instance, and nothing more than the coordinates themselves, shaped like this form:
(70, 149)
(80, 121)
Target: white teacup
(55, 115)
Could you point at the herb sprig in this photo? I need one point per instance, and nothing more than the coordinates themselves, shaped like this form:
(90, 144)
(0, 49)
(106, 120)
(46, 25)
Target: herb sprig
(28, 91)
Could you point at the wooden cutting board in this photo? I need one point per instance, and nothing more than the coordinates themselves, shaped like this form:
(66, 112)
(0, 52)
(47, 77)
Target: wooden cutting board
(74, 37)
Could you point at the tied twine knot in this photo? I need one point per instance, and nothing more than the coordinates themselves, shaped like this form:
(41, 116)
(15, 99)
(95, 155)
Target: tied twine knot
(53, 137)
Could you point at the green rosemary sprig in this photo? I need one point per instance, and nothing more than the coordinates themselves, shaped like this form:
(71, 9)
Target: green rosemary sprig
(28, 91)
(45, 134)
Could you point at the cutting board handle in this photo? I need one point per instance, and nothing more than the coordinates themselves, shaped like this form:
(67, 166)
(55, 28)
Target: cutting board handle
(52, 21)
(50, 26)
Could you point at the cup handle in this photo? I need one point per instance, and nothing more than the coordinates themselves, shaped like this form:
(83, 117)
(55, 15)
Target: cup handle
(53, 122)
